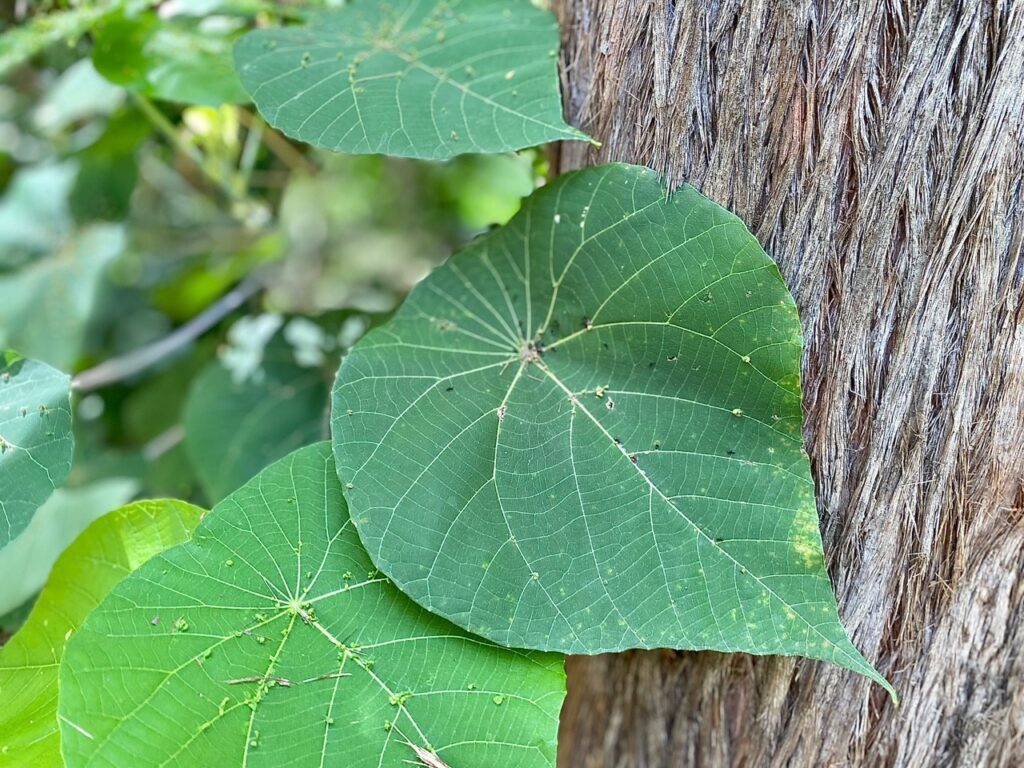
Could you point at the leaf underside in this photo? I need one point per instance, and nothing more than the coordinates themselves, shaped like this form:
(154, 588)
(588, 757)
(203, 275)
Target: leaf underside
(111, 547)
(425, 78)
(270, 639)
(584, 434)
(35, 438)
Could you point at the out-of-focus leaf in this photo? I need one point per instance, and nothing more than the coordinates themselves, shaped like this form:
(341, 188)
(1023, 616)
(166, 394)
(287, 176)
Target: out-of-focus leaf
(488, 189)
(36, 441)
(430, 79)
(34, 215)
(26, 561)
(172, 60)
(233, 429)
(111, 548)
(22, 43)
(270, 640)
(108, 170)
(79, 93)
(44, 307)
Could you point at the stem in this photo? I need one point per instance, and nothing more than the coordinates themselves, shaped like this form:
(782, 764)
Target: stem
(283, 149)
(119, 368)
(169, 132)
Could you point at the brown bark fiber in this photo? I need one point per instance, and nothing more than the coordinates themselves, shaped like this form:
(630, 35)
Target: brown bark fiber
(876, 149)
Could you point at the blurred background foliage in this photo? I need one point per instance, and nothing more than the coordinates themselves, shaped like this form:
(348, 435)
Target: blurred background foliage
(200, 273)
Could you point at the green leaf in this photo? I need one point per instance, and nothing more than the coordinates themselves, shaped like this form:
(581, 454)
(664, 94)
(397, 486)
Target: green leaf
(427, 78)
(34, 215)
(584, 434)
(270, 640)
(22, 43)
(233, 429)
(35, 438)
(45, 307)
(26, 561)
(110, 548)
(171, 60)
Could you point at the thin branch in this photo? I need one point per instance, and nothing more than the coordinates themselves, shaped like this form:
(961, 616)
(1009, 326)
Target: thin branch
(285, 151)
(136, 361)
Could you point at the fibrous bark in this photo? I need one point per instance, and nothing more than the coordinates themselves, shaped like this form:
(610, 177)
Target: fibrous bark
(876, 149)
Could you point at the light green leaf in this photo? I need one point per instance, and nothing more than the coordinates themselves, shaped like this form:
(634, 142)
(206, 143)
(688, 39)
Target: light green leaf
(36, 442)
(584, 434)
(425, 78)
(26, 561)
(172, 60)
(44, 307)
(235, 429)
(270, 640)
(110, 548)
(34, 215)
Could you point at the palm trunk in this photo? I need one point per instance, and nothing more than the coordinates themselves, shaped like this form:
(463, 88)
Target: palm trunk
(876, 148)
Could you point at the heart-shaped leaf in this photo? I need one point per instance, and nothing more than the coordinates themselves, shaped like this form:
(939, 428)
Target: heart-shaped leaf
(584, 434)
(35, 438)
(424, 78)
(270, 639)
(111, 547)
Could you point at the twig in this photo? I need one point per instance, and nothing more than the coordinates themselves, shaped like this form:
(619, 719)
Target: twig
(119, 368)
(283, 149)
(169, 132)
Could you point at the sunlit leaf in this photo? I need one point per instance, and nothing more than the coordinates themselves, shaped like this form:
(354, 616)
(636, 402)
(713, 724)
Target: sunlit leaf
(425, 78)
(584, 434)
(270, 640)
(35, 438)
(110, 548)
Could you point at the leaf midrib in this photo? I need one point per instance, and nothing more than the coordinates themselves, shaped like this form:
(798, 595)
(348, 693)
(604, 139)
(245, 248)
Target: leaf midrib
(746, 572)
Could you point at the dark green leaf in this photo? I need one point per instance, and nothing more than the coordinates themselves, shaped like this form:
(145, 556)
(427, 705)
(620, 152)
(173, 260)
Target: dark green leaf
(425, 78)
(233, 429)
(584, 434)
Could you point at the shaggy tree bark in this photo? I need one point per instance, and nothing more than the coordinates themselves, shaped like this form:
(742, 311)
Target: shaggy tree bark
(876, 148)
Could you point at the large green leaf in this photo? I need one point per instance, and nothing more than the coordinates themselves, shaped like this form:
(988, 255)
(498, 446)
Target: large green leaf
(233, 429)
(110, 548)
(584, 434)
(422, 78)
(270, 639)
(35, 438)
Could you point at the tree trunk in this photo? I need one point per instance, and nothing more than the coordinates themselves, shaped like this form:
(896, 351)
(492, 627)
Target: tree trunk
(876, 148)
